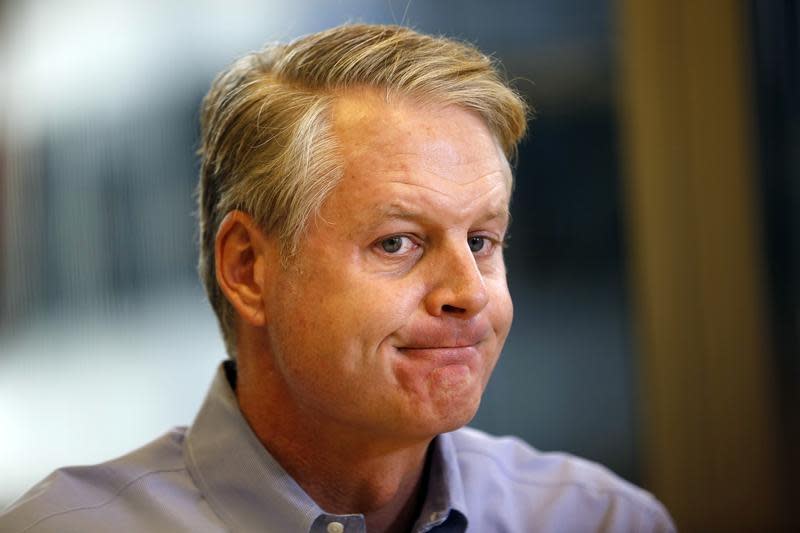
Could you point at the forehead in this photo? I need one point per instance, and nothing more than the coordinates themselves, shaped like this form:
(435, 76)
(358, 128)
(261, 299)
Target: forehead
(398, 141)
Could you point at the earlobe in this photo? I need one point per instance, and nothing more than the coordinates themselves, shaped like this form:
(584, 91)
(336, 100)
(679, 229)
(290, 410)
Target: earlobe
(240, 254)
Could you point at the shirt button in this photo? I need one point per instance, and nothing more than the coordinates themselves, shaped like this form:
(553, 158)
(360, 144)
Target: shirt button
(335, 527)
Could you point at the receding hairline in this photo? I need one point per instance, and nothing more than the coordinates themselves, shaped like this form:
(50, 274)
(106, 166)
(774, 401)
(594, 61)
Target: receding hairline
(375, 99)
(391, 103)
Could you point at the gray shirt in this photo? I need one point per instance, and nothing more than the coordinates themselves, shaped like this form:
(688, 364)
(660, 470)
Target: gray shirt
(216, 476)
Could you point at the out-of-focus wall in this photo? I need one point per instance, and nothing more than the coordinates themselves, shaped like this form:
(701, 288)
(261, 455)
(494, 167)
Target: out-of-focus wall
(775, 56)
(106, 339)
(710, 145)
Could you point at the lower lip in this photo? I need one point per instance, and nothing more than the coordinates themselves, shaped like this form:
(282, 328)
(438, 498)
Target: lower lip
(447, 367)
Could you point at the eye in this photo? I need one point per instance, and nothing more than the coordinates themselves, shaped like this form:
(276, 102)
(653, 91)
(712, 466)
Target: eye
(477, 243)
(396, 244)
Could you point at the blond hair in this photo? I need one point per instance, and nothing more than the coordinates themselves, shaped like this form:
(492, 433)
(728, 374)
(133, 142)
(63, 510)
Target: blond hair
(267, 146)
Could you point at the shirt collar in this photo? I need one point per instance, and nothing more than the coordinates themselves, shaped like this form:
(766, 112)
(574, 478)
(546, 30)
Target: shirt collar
(248, 489)
(445, 501)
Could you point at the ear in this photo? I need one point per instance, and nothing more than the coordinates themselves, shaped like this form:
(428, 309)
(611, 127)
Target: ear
(243, 255)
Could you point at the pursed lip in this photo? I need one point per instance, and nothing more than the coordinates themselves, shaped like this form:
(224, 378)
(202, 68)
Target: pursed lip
(442, 355)
(444, 344)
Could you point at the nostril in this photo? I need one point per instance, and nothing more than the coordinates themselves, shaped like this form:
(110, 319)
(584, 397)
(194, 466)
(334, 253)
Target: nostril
(452, 309)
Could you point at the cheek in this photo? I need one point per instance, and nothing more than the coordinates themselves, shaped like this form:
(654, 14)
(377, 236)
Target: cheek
(502, 308)
(343, 318)
(381, 308)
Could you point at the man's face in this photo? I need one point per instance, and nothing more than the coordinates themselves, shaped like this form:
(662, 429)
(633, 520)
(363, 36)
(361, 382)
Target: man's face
(392, 315)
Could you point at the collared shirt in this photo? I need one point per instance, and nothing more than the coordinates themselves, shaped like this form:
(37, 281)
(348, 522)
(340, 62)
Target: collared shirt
(216, 476)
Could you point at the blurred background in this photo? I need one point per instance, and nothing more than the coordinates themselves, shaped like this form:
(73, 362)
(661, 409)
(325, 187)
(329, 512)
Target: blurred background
(654, 256)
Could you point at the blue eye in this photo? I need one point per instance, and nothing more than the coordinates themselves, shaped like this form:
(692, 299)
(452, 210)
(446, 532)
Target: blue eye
(392, 244)
(476, 244)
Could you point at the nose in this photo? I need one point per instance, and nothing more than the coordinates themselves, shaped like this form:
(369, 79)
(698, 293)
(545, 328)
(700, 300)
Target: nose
(460, 290)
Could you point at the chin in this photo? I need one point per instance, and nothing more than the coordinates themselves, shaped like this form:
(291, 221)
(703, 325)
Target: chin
(448, 401)
(457, 423)
(452, 417)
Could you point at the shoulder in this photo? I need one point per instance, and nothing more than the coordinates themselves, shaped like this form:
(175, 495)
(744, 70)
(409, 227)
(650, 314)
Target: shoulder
(536, 489)
(90, 498)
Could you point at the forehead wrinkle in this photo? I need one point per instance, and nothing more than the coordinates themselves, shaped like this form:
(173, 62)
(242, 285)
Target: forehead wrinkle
(505, 175)
(405, 210)
(505, 183)
(444, 173)
(501, 211)
(455, 159)
(399, 209)
(401, 212)
(506, 179)
(421, 186)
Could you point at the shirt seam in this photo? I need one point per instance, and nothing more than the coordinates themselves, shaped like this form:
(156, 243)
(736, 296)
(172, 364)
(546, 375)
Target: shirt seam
(641, 503)
(195, 472)
(101, 504)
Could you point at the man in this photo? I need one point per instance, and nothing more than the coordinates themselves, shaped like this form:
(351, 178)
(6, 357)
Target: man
(354, 197)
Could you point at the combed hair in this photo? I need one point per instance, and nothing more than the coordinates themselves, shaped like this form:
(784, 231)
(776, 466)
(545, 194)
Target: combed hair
(267, 146)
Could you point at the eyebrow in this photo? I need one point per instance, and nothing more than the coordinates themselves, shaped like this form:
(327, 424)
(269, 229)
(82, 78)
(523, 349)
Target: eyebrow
(402, 211)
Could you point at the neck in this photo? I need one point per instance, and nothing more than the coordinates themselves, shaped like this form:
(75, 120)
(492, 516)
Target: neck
(343, 471)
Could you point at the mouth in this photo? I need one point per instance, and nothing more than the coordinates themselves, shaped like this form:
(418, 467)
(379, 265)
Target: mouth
(442, 345)
(442, 355)
(438, 346)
